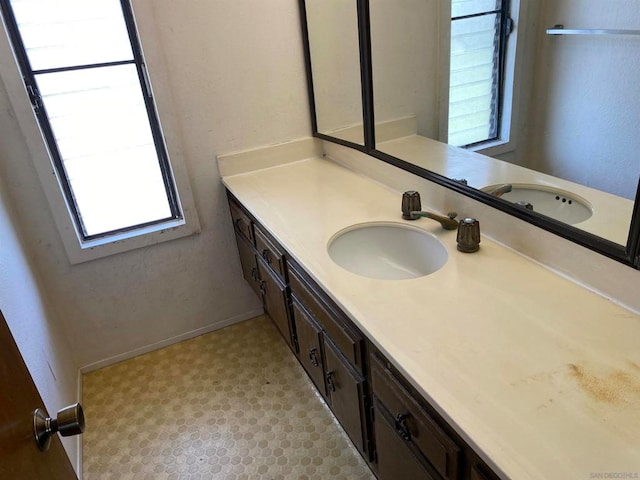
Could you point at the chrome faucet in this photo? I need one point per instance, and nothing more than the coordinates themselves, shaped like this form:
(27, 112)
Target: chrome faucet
(412, 210)
(500, 190)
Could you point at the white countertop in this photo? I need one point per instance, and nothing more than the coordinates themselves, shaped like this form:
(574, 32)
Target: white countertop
(539, 375)
(611, 215)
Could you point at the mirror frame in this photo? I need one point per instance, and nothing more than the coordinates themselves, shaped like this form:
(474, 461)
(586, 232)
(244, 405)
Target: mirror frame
(367, 107)
(628, 254)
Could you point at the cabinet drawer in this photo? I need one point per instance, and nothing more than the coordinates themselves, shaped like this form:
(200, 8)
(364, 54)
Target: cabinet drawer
(270, 253)
(394, 457)
(413, 423)
(348, 342)
(309, 345)
(241, 221)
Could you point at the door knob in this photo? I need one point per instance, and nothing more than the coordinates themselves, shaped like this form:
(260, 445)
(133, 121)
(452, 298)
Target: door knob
(70, 421)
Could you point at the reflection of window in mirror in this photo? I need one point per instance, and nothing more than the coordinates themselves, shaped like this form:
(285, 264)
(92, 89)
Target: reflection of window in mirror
(480, 73)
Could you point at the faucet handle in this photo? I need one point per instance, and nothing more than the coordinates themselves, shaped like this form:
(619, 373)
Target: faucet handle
(410, 203)
(468, 235)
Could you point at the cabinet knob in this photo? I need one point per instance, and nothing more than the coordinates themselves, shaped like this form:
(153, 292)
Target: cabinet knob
(70, 421)
(313, 356)
(331, 384)
(265, 255)
(401, 426)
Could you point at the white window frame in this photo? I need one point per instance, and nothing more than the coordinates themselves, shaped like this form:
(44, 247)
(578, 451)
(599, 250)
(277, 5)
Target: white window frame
(513, 66)
(79, 251)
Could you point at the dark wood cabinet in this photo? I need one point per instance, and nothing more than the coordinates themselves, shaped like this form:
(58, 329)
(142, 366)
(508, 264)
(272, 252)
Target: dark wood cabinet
(270, 253)
(248, 263)
(478, 474)
(263, 269)
(415, 426)
(276, 301)
(333, 321)
(395, 460)
(346, 393)
(341, 356)
(395, 429)
(310, 351)
(241, 221)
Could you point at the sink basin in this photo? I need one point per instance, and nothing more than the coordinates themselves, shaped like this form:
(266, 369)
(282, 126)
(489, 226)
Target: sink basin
(387, 251)
(552, 202)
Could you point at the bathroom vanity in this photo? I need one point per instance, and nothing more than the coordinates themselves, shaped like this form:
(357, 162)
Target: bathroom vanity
(490, 367)
(393, 427)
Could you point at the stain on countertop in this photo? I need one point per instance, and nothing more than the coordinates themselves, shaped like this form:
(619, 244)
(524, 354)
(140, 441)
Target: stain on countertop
(615, 386)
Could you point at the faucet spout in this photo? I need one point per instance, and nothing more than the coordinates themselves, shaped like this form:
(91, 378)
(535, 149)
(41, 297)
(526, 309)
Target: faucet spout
(500, 190)
(412, 210)
(448, 222)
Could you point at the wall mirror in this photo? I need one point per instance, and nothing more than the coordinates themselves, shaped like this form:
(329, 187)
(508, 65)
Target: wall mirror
(333, 54)
(553, 115)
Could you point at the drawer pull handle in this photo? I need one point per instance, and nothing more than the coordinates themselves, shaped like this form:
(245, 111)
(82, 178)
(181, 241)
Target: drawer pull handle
(265, 255)
(263, 287)
(331, 382)
(401, 426)
(254, 274)
(313, 356)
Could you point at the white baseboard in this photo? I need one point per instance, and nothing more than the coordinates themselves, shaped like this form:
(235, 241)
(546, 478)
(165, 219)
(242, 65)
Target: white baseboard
(170, 341)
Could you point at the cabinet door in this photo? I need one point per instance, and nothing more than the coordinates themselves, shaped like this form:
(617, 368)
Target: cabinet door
(276, 302)
(420, 428)
(395, 460)
(309, 342)
(345, 390)
(333, 322)
(248, 263)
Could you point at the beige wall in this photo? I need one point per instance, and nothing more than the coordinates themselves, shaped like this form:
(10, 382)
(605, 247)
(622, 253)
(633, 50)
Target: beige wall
(231, 76)
(335, 62)
(584, 101)
(405, 51)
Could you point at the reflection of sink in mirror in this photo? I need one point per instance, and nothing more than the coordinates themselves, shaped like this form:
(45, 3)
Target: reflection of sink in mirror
(552, 202)
(387, 251)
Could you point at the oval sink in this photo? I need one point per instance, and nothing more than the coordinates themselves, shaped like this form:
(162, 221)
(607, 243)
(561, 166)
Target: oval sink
(552, 202)
(387, 251)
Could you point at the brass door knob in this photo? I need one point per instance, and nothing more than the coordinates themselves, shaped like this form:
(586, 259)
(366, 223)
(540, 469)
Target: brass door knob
(70, 421)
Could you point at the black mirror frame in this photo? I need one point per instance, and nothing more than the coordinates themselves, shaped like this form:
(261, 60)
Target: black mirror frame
(628, 255)
(367, 111)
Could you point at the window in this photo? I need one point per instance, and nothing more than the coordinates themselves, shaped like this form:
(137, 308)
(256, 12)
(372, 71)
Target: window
(479, 32)
(84, 72)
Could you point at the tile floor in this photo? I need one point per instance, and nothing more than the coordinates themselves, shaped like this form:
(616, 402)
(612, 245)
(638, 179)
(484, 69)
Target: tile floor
(232, 404)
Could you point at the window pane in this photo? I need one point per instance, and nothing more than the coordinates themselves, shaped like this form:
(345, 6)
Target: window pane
(100, 123)
(460, 8)
(473, 91)
(64, 33)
